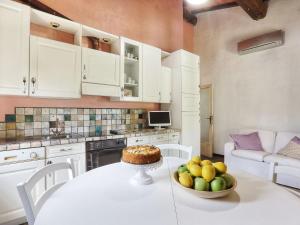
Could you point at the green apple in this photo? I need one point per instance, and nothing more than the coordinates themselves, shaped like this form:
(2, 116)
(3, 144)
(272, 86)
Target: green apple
(228, 180)
(182, 169)
(200, 184)
(218, 184)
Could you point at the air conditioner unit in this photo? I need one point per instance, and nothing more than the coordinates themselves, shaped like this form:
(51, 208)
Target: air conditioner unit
(260, 43)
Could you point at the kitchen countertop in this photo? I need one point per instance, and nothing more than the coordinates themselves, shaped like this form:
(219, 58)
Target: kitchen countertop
(42, 141)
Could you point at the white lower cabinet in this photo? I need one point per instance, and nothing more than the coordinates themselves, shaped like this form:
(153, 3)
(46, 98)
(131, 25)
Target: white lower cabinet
(60, 153)
(54, 69)
(14, 169)
(190, 129)
(156, 139)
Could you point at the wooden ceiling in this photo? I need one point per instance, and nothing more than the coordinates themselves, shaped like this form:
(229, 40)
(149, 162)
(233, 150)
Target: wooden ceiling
(256, 9)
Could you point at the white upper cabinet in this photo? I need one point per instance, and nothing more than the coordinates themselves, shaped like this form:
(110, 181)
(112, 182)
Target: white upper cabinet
(14, 48)
(100, 73)
(54, 69)
(151, 73)
(165, 82)
(130, 70)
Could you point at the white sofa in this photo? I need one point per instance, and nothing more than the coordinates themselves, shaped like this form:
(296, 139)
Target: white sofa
(258, 162)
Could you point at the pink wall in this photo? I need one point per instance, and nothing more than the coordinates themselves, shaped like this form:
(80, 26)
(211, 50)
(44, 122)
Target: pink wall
(156, 22)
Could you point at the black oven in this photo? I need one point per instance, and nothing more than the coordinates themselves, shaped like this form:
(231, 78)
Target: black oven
(104, 152)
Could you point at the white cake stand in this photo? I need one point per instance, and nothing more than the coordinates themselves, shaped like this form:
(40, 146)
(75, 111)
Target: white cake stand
(141, 177)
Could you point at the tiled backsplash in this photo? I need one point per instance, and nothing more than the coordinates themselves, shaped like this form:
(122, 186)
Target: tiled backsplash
(27, 122)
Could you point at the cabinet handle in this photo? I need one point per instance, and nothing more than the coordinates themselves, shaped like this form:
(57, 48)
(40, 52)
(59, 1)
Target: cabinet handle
(33, 81)
(65, 150)
(84, 72)
(49, 162)
(122, 91)
(24, 82)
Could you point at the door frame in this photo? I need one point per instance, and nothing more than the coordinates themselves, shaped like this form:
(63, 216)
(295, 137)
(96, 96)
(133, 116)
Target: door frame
(210, 152)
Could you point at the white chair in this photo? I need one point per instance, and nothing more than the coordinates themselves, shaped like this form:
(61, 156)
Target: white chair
(32, 207)
(276, 169)
(176, 150)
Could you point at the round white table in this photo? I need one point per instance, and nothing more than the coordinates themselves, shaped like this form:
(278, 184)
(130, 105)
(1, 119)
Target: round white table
(105, 196)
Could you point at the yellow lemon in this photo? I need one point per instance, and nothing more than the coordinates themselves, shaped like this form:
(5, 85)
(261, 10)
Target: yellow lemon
(196, 159)
(208, 172)
(206, 162)
(186, 180)
(196, 170)
(188, 165)
(220, 167)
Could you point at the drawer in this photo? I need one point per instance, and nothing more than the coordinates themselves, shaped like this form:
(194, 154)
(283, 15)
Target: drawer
(159, 138)
(190, 103)
(61, 150)
(138, 140)
(174, 138)
(21, 154)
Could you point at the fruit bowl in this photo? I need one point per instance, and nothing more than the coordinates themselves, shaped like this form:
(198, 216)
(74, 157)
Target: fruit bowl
(205, 194)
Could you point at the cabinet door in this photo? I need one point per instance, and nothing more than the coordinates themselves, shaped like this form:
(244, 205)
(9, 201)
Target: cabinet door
(62, 176)
(190, 133)
(165, 85)
(151, 73)
(100, 67)
(54, 68)
(11, 208)
(14, 48)
(190, 80)
(190, 103)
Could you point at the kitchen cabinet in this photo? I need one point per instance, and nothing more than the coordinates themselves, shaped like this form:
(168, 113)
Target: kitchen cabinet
(54, 69)
(190, 130)
(165, 82)
(60, 153)
(14, 45)
(185, 105)
(15, 167)
(151, 73)
(100, 73)
(130, 70)
(155, 139)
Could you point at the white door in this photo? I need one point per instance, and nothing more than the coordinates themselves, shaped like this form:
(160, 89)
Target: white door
(62, 176)
(54, 68)
(190, 103)
(190, 80)
(190, 132)
(14, 48)
(11, 208)
(100, 67)
(165, 85)
(151, 73)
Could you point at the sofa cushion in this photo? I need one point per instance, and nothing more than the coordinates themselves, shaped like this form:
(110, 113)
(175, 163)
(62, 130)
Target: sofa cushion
(292, 149)
(250, 154)
(247, 141)
(267, 138)
(283, 138)
(282, 160)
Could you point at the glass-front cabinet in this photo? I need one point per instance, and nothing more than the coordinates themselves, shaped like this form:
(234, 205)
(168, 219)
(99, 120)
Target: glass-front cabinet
(131, 70)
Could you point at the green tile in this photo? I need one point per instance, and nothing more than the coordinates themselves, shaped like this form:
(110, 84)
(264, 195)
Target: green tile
(67, 117)
(28, 118)
(92, 117)
(10, 118)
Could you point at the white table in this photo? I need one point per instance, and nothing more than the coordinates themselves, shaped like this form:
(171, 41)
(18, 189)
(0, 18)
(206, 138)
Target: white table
(104, 196)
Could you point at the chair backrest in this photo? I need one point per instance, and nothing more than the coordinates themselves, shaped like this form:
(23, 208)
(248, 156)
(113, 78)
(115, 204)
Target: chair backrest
(276, 169)
(32, 207)
(176, 150)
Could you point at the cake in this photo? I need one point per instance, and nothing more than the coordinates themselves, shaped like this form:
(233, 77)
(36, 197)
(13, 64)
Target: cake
(141, 154)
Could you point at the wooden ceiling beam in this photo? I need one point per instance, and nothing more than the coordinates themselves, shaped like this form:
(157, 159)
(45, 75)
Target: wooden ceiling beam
(216, 7)
(256, 9)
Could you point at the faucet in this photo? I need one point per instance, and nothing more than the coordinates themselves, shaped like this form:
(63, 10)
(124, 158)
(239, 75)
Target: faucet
(59, 128)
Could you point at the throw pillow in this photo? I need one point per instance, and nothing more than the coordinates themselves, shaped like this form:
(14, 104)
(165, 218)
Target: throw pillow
(247, 141)
(292, 149)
